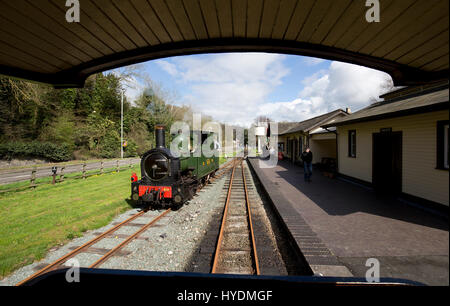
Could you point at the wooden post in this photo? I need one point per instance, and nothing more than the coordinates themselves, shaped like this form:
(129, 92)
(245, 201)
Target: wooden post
(33, 177)
(117, 166)
(84, 170)
(101, 168)
(54, 171)
(61, 174)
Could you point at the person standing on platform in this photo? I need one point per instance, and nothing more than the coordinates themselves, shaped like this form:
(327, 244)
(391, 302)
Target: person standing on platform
(307, 157)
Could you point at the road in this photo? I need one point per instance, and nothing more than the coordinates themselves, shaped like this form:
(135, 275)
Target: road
(24, 174)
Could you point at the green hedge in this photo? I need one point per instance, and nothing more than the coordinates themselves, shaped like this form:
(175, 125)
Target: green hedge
(46, 150)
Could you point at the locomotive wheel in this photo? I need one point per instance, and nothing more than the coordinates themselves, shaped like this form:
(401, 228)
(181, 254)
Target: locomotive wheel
(196, 189)
(176, 206)
(191, 193)
(137, 203)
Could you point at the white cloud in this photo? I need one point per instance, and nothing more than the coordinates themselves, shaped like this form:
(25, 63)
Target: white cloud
(286, 111)
(342, 85)
(234, 67)
(312, 61)
(231, 86)
(133, 88)
(234, 87)
(168, 67)
(345, 85)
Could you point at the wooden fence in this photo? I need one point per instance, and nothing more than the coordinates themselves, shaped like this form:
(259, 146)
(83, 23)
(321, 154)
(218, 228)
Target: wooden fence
(58, 178)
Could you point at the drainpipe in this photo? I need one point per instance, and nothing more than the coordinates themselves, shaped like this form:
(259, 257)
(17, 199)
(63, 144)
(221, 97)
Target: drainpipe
(337, 149)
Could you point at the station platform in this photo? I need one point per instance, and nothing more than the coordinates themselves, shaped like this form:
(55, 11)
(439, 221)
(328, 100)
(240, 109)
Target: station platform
(338, 226)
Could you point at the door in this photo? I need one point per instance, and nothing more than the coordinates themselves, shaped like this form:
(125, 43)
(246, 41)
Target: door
(295, 150)
(291, 150)
(300, 145)
(387, 162)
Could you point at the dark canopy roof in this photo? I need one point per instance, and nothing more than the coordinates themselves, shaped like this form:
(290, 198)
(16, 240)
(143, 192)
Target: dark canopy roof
(309, 124)
(410, 43)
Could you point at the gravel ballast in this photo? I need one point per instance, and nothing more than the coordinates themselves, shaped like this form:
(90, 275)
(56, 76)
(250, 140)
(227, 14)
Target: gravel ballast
(183, 240)
(166, 246)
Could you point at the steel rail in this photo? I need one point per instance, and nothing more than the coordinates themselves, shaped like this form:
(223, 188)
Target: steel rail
(222, 226)
(78, 250)
(224, 170)
(249, 212)
(225, 167)
(128, 240)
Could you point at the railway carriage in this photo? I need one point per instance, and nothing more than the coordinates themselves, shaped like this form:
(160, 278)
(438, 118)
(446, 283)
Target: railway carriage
(168, 181)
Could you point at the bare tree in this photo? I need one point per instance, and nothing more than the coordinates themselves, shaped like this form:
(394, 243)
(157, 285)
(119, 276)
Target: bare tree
(262, 118)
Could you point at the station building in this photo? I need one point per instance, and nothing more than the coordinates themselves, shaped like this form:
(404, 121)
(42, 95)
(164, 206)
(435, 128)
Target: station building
(294, 137)
(399, 145)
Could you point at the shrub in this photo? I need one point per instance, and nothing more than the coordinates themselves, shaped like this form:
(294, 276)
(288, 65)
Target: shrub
(61, 130)
(139, 135)
(109, 146)
(46, 150)
(131, 149)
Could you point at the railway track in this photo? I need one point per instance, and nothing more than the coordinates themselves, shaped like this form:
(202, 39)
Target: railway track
(235, 248)
(59, 263)
(227, 167)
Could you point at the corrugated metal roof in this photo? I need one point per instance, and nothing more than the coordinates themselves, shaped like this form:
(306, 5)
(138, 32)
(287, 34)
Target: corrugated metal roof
(37, 43)
(427, 102)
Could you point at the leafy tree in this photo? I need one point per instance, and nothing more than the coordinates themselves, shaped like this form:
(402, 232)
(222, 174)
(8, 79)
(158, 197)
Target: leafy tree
(60, 130)
(84, 122)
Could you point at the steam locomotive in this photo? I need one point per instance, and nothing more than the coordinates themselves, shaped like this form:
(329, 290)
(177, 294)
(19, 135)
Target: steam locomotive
(168, 181)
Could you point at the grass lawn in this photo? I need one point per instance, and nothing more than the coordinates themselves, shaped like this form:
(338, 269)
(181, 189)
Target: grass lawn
(222, 160)
(33, 221)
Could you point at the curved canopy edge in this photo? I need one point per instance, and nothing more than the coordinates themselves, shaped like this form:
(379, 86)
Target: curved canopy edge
(402, 75)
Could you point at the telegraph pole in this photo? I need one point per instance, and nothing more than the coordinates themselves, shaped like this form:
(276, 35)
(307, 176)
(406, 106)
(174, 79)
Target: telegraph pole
(121, 127)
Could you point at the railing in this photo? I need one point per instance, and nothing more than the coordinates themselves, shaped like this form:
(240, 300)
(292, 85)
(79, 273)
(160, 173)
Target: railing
(58, 175)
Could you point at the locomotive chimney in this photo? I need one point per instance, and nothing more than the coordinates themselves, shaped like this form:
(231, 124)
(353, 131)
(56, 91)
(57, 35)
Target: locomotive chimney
(160, 136)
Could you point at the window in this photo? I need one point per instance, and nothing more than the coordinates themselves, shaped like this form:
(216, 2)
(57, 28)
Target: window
(281, 146)
(300, 144)
(442, 145)
(352, 143)
(204, 137)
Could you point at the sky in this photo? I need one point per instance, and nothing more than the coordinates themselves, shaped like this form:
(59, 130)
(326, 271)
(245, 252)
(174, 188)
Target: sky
(235, 88)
